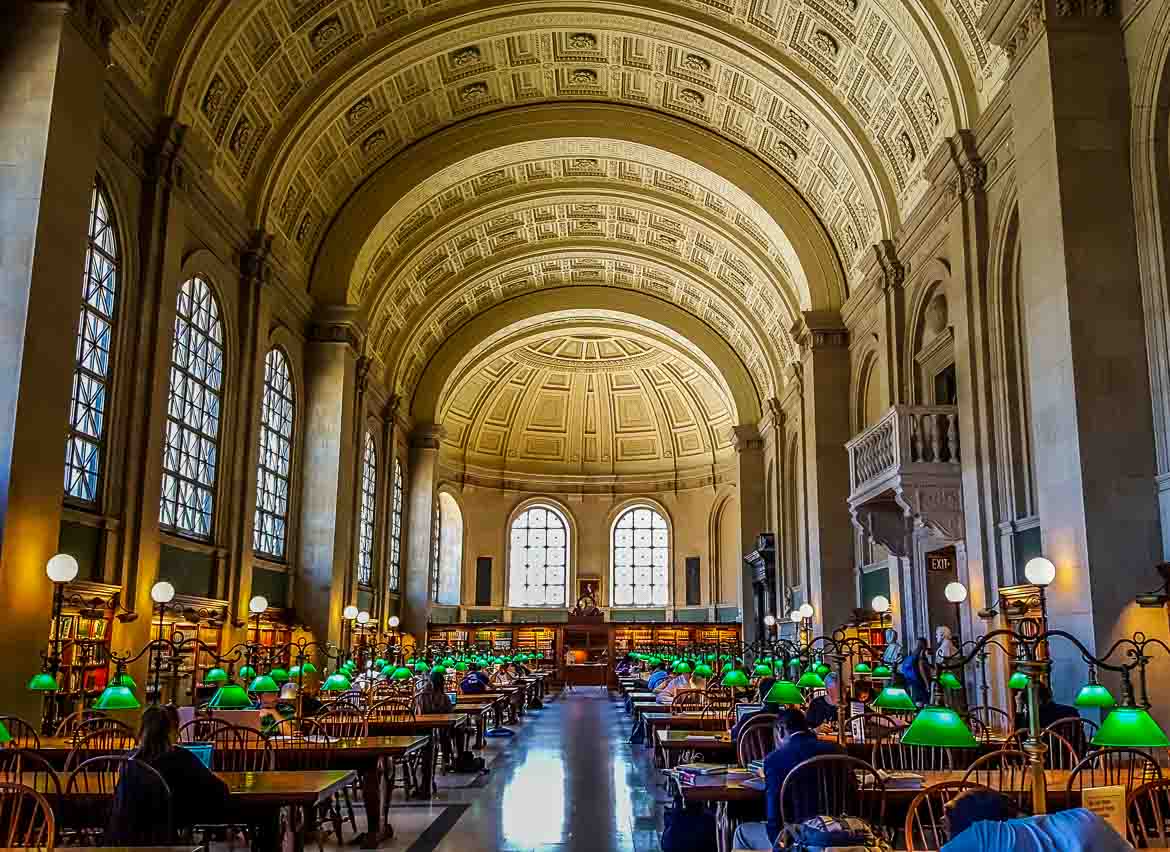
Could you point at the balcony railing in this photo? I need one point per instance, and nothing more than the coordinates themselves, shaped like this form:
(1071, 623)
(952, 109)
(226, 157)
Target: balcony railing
(907, 436)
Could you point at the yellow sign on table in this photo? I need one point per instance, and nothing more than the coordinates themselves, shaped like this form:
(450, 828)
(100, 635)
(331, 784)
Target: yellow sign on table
(1107, 803)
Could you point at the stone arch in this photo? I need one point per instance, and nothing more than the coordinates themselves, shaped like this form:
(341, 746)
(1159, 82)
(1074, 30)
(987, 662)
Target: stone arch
(613, 516)
(726, 551)
(452, 546)
(929, 332)
(868, 398)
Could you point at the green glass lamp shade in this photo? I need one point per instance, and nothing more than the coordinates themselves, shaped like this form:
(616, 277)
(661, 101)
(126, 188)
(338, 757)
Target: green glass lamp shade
(710, 658)
(1130, 727)
(43, 682)
(379, 664)
(821, 669)
(247, 673)
(4, 735)
(388, 670)
(810, 679)
(1018, 680)
(336, 682)
(116, 698)
(264, 683)
(948, 681)
(762, 670)
(448, 662)
(230, 696)
(279, 675)
(682, 667)
(725, 656)
(784, 692)
(440, 670)
(307, 669)
(894, 698)
(736, 678)
(349, 667)
(461, 666)
(939, 726)
(726, 668)
(401, 673)
(214, 676)
(704, 671)
(862, 668)
(795, 661)
(881, 671)
(1094, 695)
(421, 668)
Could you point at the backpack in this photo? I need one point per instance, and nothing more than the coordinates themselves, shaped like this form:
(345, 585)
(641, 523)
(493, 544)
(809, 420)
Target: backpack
(467, 762)
(687, 828)
(843, 834)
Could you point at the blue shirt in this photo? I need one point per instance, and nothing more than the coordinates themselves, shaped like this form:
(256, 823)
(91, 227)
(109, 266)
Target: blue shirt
(475, 683)
(655, 679)
(1076, 830)
(796, 748)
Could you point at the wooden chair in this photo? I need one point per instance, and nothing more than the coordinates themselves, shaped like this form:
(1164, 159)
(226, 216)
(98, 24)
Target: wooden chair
(875, 725)
(1147, 811)
(343, 722)
(756, 738)
(21, 766)
(26, 819)
(719, 700)
(993, 719)
(688, 700)
(1005, 770)
(891, 755)
(297, 744)
(1105, 767)
(238, 749)
(103, 741)
(397, 708)
(148, 820)
(97, 778)
(925, 827)
(833, 784)
(201, 729)
(100, 723)
(1077, 730)
(1059, 752)
(69, 724)
(23, 734)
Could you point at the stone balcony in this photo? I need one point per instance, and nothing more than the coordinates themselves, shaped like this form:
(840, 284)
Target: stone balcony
(904, 473)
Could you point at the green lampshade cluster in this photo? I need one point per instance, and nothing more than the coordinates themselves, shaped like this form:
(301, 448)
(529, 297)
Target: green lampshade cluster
(302, 671)
(421, 668)
(762, 670)
(811, 679)
(703, 670)
(1130, 727)
(43, 682)
(280, 675)
(736, 679)
(230, 696)
(821, 669)
(247, 673)
(682, 667)
(215, 676)
(862, 668)
(882, 672)
(263, 683)
(784, 692)
(941, 727)
(894, 698)
(400, 673)
(338, 682)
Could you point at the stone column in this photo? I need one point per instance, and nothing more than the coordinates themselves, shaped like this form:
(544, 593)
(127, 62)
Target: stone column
(416, 572)
(749, 453)
(52, 62)
(1090, 392)
(327, 521)
(824, 346)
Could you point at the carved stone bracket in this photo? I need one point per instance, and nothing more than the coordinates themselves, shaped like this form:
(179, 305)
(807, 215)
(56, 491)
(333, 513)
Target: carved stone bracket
(337, 332)
(746, 437)
(254, 260)
(820, 330)
(886, 522)
(1016, 25)
(893, 272)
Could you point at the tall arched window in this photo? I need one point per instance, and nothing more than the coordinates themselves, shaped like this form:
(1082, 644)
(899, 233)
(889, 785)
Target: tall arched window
(448, 574)
(277, 411)
(396, 529)
(193, 413)
(365, 556)
(85, 446)
(538, 562)
(641, 558)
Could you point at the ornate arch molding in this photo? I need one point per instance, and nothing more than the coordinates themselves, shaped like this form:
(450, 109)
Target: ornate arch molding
(1150, 158)
(582, 300)
(933, 279)
(866, 368)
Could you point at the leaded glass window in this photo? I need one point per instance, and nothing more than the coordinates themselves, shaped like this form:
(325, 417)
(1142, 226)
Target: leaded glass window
(365, 564)
(436, 538)
(193, 413)
(277, 412)
(538, 567)
(85, 446)
(641, 558)
(396, 528)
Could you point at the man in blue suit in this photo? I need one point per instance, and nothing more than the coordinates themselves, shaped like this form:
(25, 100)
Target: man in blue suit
(795, 744)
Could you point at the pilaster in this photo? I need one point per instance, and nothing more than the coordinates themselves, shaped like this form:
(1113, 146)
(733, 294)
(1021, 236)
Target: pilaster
(749, 452)
(416, 592)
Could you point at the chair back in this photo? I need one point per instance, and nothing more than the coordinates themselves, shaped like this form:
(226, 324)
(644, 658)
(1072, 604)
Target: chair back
(26, 820)
(925, 828)
(298, 744)
(719, 700)
(834, 784)
(21, 766)
(141, 811)
(1106, 767)
(398, 708)
(201, 729)
(875, 725)
(1005, 770)
(68, 725)
(1077, 730)
(343, 722)
(994, 720)
(23, 734)
(756, 738)
(239, 749)
(892, 755)
(103, 741)
(1147, 810)
(688, 700)
(96, 724)
(89, 793)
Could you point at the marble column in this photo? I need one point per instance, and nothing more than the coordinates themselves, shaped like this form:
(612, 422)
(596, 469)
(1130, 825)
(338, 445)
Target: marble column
(327, 524)
(824, 346)
(53, 64)
(751, 481)
(1089, 385)
(416, 575)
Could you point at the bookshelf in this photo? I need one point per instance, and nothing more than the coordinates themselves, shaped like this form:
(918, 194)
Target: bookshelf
(188, 618)
(86, 634)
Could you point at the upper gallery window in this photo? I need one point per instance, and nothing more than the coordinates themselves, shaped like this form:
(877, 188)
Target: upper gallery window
(396, 529)
(365, 562)
(538, 566)
(641, 558)
(277, 414)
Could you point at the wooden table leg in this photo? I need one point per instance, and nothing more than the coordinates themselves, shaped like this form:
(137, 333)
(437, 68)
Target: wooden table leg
(430, 756)
(480, 724)
(722, 827)
(375, 833)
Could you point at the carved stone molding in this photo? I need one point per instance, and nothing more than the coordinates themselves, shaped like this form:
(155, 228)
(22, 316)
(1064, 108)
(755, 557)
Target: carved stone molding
(746, 437)
(162, 159)
(1016, 25)
(255, 259)
(429, 437)
(96, 20)
(337, 332)
(893, 271)
(820, 330)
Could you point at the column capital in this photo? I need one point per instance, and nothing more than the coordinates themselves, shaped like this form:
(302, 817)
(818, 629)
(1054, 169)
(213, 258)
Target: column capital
(746, 437)
(815, 330)
(97, 20)
(893, 273)
(254, 259)
(339, 325)
(428, 437)
(1016, 25)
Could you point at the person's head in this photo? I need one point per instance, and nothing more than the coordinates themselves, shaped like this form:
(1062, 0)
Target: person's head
(789, 721)
(764, 687)
(158, 730)
(472, 667)
(698, 681)
(438, 682)
(1043, 693)
(661, 667)
(977, 805)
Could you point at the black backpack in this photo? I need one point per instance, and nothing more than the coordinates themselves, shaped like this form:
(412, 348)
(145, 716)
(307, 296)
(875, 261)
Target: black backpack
(688, 828)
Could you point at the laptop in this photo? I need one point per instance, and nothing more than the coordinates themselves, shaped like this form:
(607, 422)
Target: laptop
(453, 697)
(742, 710)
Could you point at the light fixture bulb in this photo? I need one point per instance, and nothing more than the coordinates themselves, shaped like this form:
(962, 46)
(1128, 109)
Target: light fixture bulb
(955, 592)
(162, 592)
(806, 610)
(394, 622)
(880, 603)
(794, 615)
(257, 605)
(770, 620)
(363, 617)
(1040, 571)
(349, 613)
(62, 568)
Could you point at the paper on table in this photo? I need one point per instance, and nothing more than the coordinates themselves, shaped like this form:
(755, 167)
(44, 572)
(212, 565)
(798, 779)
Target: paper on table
(1107, 803)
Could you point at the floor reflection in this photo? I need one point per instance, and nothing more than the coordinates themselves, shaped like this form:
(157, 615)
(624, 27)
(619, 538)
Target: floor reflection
(532, 809)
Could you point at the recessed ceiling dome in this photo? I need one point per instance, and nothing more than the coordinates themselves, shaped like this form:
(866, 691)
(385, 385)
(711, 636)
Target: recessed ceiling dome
(587, 408)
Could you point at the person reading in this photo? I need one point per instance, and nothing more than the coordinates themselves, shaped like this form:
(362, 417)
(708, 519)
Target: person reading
(823, 708)
(434, 700)
(475, 682)
(986, 820)
(795, 743)
(657, 677)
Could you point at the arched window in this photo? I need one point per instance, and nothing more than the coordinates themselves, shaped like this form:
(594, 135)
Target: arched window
(447, 575)
(538, 562)
(277, 412)
(641, 558)
(193, 413)
(365, 555)
(396, 528)
(85, 447)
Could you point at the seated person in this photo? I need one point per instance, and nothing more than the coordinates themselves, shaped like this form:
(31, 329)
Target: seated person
(672, 687)
(823, 708)
(138, 816)
(271, 713)
(434, 700)
(763, 687)
(795, 743)
(1049, 710)
(657, 677)
(475, 682)
(984, 821)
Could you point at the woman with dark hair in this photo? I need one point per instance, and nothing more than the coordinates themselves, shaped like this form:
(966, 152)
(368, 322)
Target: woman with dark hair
(196, 793)
(434, 699)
